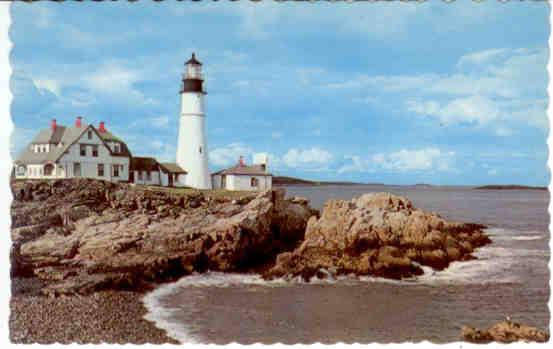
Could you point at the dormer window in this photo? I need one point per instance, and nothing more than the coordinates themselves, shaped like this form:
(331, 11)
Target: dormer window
(116, 147)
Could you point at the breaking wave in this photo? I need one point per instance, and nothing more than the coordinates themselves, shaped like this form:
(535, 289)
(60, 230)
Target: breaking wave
(500, 262)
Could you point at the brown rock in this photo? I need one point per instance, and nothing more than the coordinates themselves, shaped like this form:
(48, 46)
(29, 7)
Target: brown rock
(110, 235)
(504, 332)
(378, 234)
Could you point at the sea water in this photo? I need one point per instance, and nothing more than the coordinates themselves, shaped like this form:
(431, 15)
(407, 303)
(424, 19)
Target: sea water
(510, 277)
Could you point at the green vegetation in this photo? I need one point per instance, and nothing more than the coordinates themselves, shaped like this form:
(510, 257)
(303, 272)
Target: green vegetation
(212, 193)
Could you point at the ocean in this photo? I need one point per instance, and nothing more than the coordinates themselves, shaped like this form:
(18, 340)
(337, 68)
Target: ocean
(510, 277)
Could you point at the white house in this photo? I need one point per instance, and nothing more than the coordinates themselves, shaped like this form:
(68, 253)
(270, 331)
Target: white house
(78, 151)
(148, 171)
(244, 177)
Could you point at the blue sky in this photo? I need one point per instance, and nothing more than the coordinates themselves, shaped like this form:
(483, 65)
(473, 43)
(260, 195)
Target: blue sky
(374, 92)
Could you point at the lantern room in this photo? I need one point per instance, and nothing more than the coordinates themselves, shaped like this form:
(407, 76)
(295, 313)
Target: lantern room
(192, 79)
(193, 68)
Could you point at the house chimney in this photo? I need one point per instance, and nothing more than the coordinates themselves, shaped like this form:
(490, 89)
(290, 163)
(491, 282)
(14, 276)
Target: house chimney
(102, 127)
(53, 124)
(241, 161)
(78, 121)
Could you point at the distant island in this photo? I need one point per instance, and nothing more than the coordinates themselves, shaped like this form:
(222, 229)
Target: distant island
(284, 180)
(509, 187)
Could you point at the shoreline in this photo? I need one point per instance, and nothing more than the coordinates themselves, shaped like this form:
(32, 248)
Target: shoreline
(101, 317)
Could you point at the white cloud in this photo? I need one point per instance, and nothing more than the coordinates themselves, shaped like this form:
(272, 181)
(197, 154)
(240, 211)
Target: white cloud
(480, 57)
(404, 160)
(116, 80)
(51, 85)
(160, 121)
(277, 135)
(313, 158)
(503, 131)
(229, 154)
(473, 109)
(490, 86)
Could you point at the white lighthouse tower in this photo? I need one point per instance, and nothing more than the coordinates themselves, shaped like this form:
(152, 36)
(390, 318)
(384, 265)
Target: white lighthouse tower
(192, 143)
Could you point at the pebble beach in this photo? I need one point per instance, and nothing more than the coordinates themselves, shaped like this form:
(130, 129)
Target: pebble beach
(109, 317)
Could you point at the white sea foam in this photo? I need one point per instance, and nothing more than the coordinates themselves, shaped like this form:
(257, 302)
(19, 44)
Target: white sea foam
(495, 263)
(528, 237)
(161, 315)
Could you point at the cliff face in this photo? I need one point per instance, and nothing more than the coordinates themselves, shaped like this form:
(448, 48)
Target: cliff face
(82, 235)
(378, 234)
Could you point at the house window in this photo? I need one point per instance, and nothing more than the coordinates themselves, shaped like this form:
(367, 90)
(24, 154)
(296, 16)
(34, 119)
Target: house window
(200, 150)
(95, 151)
(254, 182)
(100, 170)
(89, 134)
(21, 170)
(148, 176)
(76, 169)
(116, 147)
(83, 149)
(115, 170)
(139, 175)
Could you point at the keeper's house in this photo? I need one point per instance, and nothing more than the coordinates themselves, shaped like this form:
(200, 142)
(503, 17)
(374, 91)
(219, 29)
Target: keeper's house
(244, 177)
(77, 151)
(148, 171)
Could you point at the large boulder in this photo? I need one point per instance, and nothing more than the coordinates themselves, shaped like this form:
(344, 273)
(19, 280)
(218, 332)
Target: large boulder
(82, 234)
(377, 234)
(504, 332)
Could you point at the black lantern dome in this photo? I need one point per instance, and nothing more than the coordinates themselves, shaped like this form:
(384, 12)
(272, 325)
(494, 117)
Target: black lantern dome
(192, 79)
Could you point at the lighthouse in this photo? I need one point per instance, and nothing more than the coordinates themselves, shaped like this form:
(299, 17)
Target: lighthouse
(192, 142)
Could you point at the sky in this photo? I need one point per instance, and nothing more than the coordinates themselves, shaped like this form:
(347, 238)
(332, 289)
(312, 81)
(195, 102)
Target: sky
(380, 92)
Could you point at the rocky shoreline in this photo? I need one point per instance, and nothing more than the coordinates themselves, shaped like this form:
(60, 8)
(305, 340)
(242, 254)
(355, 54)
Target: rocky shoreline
(81, 235)
(86, 249)
(378, 234)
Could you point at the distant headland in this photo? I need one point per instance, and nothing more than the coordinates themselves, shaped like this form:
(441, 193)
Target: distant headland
(285, 180)
(509, 187)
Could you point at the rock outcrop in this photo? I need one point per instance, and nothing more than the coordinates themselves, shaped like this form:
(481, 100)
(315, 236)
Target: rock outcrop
(504, 332)
(377, 234)
(82, 235)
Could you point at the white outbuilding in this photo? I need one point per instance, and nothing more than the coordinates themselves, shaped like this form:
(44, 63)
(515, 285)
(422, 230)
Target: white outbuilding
(253, 177)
